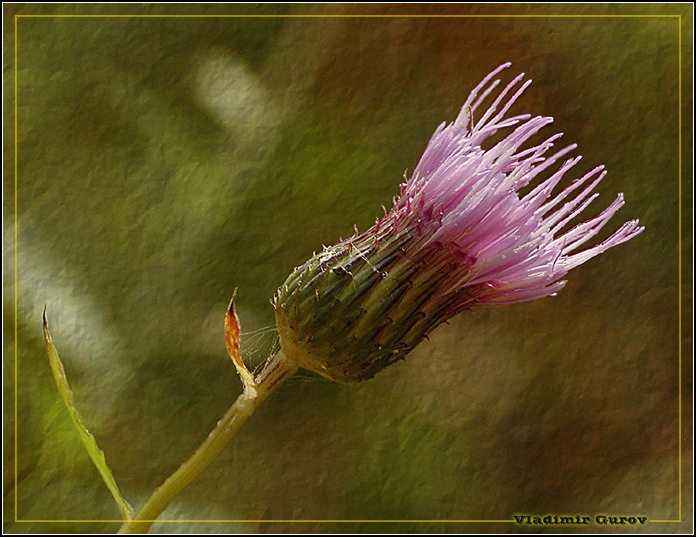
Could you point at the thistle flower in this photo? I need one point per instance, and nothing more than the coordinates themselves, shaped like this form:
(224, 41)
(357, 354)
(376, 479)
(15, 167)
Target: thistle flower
(460, 234)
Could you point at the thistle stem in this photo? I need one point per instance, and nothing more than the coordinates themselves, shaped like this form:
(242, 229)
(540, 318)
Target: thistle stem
(278, 369)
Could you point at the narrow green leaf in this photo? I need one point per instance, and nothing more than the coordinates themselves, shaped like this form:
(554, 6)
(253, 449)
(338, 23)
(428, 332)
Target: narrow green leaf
(96, 454)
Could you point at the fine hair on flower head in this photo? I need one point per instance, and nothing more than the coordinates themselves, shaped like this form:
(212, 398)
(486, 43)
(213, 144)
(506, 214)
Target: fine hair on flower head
(460, 234)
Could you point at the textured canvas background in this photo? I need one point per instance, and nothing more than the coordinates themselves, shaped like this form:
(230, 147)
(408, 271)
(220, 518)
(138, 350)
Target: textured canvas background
(163, 162)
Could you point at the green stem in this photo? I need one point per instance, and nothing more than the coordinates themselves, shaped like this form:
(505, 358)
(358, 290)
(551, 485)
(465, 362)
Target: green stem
(278, 369)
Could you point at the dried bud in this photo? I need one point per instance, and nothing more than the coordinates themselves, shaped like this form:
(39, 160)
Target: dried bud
(459, 235)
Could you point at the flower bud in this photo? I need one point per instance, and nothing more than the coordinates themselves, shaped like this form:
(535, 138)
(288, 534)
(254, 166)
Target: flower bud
(459, 235)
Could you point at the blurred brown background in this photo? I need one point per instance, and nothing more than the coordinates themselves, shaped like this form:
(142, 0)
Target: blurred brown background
(162, 162)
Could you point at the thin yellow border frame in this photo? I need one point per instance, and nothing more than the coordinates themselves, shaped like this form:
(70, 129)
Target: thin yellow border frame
(327, 16)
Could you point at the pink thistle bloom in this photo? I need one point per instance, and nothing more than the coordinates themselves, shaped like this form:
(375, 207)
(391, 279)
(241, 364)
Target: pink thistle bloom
(515, 242)
(460, 234)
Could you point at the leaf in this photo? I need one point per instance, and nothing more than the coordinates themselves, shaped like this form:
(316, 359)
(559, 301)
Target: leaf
(232, 343)
(88, 440)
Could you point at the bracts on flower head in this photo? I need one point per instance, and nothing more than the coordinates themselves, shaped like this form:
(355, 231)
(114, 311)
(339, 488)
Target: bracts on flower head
(460, 234)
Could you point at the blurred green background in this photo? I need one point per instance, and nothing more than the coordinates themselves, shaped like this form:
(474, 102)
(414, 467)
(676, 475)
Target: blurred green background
(162, 162)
